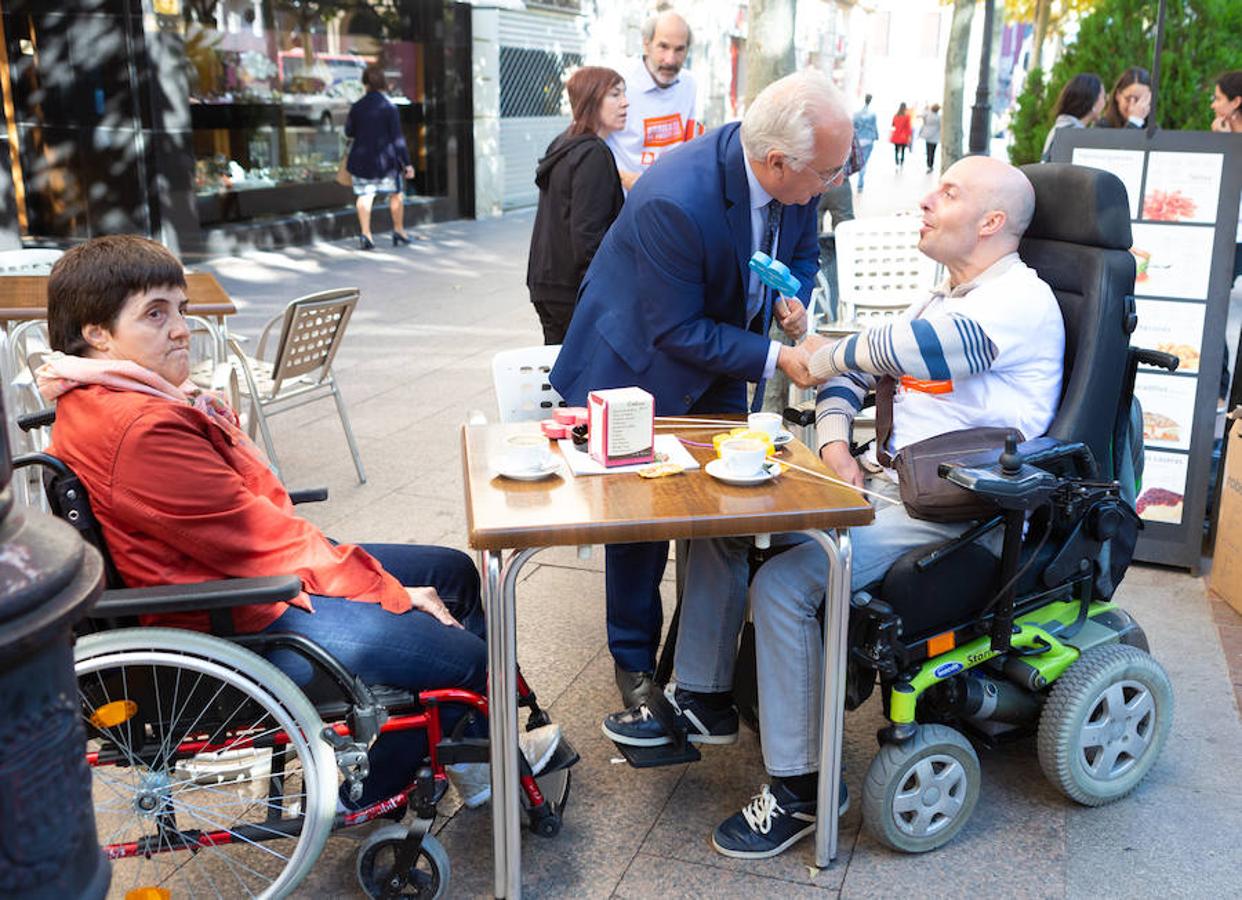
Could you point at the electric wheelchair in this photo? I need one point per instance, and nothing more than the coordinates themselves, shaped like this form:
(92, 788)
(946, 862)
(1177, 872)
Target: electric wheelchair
(963, 643)
(214, 774)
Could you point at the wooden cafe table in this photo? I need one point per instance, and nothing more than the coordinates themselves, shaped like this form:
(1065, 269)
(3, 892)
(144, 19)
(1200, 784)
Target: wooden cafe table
(564, 510)
(24, 297)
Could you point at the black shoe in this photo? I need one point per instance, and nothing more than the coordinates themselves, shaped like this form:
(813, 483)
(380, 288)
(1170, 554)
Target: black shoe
(634, 686)
(398, 238)
(638, 726)
(365, 243)
(771, 823)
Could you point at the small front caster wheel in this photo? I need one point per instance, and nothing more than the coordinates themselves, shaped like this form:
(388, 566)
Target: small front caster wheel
(428, 878)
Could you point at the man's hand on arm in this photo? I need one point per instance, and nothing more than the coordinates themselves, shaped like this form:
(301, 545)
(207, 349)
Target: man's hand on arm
(792, 362)
(837, 456)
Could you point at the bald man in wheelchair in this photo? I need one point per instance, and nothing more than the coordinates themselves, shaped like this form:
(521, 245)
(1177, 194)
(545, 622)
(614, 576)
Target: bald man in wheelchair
(985, 349)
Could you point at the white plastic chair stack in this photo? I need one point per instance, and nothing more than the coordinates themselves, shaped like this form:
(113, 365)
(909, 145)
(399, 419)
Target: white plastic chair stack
(520, 379)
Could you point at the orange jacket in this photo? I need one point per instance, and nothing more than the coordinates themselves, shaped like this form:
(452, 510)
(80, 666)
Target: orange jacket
(903, 128)
(180, 501)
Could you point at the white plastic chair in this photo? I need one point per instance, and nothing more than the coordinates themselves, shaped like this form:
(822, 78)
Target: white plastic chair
(300, 371)
(880, 270)
(28, 262)
(520, 379)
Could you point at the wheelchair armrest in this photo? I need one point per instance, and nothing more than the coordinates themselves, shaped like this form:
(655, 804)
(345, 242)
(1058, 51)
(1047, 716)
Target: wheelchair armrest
(40, 419)
(308, 495)
(206, 595)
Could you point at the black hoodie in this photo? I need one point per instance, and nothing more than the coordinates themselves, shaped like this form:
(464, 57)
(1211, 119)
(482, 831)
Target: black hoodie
(579, 196)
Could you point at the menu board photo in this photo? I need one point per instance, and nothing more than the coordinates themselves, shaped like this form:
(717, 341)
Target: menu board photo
(1168, 409)
(1164, 487)
(1182, 187)
(1171, 327)
(1172, 260)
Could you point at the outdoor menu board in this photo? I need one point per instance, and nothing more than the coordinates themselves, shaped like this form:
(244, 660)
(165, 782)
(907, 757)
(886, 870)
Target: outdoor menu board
(1183, 189)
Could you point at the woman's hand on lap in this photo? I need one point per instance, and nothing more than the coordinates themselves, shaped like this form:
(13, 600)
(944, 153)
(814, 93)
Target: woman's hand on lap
(426, 599)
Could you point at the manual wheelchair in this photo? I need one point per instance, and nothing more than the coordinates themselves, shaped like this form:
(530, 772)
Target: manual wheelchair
(214, 774)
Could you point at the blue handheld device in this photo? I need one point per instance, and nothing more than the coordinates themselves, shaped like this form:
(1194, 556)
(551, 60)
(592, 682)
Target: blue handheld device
(775, 274)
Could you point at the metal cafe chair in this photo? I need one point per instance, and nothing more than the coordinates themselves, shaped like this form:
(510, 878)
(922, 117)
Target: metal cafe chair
(300, 369)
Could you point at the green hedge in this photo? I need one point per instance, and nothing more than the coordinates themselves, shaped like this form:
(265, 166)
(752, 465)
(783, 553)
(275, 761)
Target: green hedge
(1201, 40)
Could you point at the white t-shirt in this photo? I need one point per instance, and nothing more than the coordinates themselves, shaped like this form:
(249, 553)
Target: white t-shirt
(1023, 386)
(659, 118)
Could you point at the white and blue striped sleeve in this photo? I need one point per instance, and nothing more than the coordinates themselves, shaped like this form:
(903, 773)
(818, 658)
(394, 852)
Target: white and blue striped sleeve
(940, 347)
(837, 402)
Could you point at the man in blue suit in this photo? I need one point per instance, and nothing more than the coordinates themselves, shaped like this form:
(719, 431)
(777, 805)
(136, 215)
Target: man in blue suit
(670, 305)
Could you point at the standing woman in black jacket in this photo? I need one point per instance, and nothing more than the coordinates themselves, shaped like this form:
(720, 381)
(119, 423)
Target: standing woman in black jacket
(379, 157)
(579, 196)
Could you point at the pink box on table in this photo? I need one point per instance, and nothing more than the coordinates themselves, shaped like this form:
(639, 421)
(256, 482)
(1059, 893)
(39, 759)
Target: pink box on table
(621, 426)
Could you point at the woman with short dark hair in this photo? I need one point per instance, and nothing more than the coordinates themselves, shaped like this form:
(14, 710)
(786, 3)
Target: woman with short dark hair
(1079, 104)
(579, 197)
(184, 496)
(378, 158)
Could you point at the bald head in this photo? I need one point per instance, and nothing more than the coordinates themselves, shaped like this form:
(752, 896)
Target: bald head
(666, 41)
(977, 214)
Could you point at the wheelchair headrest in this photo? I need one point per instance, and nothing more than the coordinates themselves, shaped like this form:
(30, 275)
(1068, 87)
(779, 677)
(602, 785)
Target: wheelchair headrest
(1079, 205)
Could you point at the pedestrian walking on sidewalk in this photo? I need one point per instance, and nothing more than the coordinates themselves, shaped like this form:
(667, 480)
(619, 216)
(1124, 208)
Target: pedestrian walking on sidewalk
(378, 158)
(866, 134)
(579, 196)
(930, 133)
(901, 135)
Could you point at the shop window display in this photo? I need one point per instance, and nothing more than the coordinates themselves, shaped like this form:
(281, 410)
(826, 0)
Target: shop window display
(271, 83)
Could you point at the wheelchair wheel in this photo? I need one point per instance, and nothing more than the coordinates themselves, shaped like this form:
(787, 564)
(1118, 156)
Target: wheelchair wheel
(429, 877)
(1105, 723)
(209, 774)
(918, 794)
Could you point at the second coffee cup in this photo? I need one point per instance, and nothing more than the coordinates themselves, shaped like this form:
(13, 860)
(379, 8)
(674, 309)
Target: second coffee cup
(743, 456)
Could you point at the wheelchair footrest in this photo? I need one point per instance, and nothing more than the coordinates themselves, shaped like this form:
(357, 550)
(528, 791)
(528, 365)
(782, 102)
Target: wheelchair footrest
(664, 755)
(563, 757)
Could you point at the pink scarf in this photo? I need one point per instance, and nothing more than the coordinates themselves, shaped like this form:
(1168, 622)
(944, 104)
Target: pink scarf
(61, 373)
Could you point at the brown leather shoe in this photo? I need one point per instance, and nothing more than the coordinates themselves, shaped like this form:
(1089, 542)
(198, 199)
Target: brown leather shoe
(634, 686)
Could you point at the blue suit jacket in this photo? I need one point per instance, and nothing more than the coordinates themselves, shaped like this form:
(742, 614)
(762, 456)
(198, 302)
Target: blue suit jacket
(663, 302)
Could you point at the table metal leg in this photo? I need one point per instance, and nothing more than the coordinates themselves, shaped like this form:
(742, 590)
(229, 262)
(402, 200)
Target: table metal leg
(832, 711)
(499, 592)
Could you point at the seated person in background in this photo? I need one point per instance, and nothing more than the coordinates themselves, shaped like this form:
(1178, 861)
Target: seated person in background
(986, 349)
(183, 496)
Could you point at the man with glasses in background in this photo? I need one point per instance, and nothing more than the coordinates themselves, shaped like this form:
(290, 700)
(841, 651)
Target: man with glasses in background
(670, 305)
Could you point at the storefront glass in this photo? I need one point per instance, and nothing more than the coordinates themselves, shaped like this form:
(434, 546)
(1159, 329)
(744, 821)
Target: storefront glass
(271, 83)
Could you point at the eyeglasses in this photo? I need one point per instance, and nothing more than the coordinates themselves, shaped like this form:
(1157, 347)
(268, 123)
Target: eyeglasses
(852, 164)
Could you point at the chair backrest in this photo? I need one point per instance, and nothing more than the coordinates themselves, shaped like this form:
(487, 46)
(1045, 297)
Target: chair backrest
(880, 270)
(1079, 244)
(520, 378)
(311, 333)
(28, 262)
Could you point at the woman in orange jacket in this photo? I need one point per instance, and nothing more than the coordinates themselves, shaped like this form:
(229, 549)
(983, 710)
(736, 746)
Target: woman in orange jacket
(903, 131)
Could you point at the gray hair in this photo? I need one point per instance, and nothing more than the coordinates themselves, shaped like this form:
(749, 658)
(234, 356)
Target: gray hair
(649, 26)
(783, 116)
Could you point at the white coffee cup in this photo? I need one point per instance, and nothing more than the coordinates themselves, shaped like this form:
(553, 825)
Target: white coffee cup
(769, 423)
(525, 451)
(743, 456)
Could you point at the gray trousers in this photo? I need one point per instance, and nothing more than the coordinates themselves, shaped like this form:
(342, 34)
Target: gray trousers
(784, 597)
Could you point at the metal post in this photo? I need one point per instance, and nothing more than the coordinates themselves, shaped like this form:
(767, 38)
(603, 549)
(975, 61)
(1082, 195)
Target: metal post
(981, 112)
(832, 699)
(1156, 53)
(49, 578)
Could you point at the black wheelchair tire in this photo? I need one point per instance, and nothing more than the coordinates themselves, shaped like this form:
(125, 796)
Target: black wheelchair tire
(384, 839)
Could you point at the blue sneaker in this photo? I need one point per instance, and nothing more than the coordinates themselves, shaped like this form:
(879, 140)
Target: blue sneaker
(638, 726)
(772, 822)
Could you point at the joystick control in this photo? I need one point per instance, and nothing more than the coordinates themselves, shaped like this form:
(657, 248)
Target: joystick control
(1010, 459)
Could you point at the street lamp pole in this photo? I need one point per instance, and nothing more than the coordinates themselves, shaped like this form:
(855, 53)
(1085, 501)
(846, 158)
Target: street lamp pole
(981, 112)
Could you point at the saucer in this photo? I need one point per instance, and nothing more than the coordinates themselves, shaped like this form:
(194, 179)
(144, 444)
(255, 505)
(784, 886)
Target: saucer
(550, 466)
(716, 469)
(781, 438)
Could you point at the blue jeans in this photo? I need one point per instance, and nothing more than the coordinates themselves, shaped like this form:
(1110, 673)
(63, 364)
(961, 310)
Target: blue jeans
(785, 596)
(864, 150)
(412, 650)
